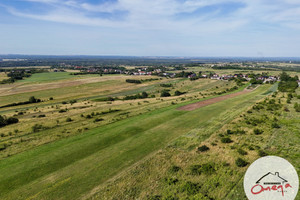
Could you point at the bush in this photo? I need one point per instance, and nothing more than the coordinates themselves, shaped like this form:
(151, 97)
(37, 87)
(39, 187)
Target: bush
(73, 101)
(262, 153)
(203, 148)
(11, 120)
(69, 119)
(32, 99)
(190, 188)
(195, 169)
(88, 116)
(51, 98)
(275, 125)
(98, 120)
(226, 140)
(240, 162)
(171, 181)
(144, 95)
(40, 116)
(2, 147)
(207, 168)
(242, 152)
(297, 107)
(37, 127)
(170, 197)
(155, 197)
(105, 99)
(62, 110)
(166, 85)
(174, 169)
(178, 93)
(133, 81)
(257, 131)
(165, 94)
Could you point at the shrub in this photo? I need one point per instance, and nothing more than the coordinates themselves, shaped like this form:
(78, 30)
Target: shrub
(88, 116)
(98, 120)
(171, 181)
(203, 148)
(195, 169)
(242, 152)
(178, 93)
(207, 168)
(62, 110)
(240, 162)
(170, 197)
(226, 140)
(11, 120)
(105, 99)
(190, 188)
(165, 94)
(133, 81)
(51, 98)
(257, 131)
(144, 95)
(262, 153)
(174, 169)
(2, 147)
(32, 99)
(69, 119)
(297, 107)
(275, 125)
(73, 101)
(40, 116)
(38, 127)
(155, 197)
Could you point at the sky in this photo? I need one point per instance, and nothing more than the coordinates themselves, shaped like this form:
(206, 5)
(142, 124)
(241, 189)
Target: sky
(188, 28)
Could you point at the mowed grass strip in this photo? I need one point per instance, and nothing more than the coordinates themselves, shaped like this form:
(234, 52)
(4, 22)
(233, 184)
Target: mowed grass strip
(72, 167)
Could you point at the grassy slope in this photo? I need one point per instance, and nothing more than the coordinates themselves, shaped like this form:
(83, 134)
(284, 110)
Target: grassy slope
(47, 77)
(69, 168)
(148, 178)
(3, 76)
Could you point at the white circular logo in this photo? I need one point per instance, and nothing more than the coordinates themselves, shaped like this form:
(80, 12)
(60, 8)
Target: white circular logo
(271, 178)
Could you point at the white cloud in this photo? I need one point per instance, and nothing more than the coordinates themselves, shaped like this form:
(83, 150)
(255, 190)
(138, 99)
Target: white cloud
(151, 23)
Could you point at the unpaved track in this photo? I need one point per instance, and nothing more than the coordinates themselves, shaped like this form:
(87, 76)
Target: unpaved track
(207, 102)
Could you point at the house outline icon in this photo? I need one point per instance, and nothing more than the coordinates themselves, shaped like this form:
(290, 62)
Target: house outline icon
(271, 179)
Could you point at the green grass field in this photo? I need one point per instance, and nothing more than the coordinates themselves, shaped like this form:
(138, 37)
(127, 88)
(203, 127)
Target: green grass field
(47, 77)
(122, 149)
(82, 162)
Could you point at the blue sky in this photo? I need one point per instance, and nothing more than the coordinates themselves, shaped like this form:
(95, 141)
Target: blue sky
(259, 28)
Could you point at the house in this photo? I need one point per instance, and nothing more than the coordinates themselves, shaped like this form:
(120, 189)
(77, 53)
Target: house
(215, 77)
(192, 76)
(271, 179)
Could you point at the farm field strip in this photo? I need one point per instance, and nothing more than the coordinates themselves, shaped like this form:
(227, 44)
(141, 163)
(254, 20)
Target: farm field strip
(82, 162)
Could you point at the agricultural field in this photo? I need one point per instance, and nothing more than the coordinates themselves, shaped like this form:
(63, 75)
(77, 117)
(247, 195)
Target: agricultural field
(132, 137)
(2, 76)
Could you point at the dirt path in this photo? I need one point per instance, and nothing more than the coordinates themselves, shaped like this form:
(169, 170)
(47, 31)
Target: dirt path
(207, 102)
